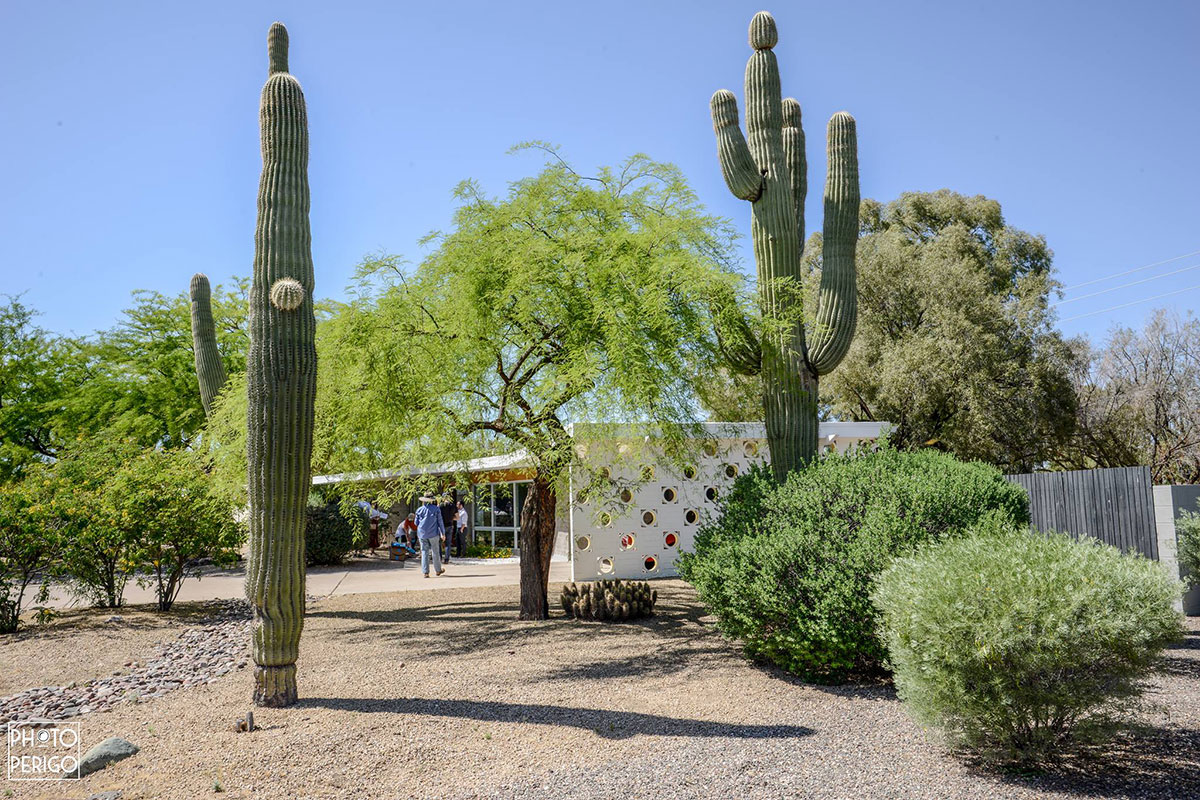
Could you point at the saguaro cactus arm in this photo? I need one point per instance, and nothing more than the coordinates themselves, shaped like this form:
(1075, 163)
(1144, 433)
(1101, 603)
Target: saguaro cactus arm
(210, 369)
(797, 161)
(829, 336)
(737, 165)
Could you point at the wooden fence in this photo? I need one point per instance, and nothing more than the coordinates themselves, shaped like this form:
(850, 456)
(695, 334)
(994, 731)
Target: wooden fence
(1113, 505)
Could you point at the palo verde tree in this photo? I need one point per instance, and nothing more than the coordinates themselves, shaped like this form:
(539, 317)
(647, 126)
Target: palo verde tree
(771, 171)
(572, 299)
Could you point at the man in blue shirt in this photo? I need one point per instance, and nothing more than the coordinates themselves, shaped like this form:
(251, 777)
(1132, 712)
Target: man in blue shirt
(431, 531)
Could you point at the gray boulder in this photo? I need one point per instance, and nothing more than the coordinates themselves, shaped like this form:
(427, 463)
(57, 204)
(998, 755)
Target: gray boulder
(109, 751)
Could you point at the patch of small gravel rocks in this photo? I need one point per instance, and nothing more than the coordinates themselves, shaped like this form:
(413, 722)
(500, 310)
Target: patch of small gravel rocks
(200, 654)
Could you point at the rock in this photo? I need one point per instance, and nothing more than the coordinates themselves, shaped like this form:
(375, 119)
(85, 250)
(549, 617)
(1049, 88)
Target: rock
(109, 751)
(113, 795)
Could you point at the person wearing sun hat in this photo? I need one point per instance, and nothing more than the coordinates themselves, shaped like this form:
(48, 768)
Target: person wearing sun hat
(431, 531)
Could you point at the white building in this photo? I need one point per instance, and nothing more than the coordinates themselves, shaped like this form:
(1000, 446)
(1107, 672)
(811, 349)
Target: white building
(653, 515)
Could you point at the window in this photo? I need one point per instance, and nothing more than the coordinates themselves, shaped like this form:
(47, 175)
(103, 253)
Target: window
(498, 513)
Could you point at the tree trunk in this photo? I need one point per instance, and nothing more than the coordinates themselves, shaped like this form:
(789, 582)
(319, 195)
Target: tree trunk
(536, 547)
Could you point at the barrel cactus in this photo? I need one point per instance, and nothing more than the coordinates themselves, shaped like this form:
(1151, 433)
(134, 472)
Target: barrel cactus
(210, 369)
(608, 600)
(281, 383)
(770, 170)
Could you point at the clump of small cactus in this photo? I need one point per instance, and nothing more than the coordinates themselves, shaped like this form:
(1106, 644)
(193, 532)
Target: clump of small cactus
(281, 378)
(609, 600)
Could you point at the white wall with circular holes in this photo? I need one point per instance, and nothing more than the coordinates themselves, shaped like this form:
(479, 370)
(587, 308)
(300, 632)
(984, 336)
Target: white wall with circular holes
(659, 516)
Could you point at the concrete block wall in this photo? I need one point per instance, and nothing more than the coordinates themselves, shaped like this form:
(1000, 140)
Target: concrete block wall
(1169, 503)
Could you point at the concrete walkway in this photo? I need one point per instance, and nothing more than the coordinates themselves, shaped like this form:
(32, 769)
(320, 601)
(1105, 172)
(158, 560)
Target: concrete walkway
(375, 573)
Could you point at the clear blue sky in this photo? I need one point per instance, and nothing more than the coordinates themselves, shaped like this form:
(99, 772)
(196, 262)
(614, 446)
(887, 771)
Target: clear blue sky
(130, 138)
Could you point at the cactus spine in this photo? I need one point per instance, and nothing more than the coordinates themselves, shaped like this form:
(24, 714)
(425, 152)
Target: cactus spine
(770, 170)
(281, 383)
(210, 369)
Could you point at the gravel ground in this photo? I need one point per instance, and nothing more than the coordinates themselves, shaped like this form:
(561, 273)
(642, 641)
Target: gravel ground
(444, 694)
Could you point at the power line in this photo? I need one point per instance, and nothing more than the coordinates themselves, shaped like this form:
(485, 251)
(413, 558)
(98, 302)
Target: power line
(1124, 286)
(1129, 271)
(1134, 303)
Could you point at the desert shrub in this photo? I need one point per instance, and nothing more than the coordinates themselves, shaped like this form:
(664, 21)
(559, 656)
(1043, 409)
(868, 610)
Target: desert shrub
(1018, 644)
(180, 520)
(1187, 531)
(29, 545)
(789, 568)
(98, 543)
(328, 535)
(487, 551)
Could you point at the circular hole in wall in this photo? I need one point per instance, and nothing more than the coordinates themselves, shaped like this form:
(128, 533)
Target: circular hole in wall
(626, 496)
(750, 449)
(691, 516)
(647, 472)
(606, 566)
(690, 472)
(583, 542)
(649, 518)
(671, 539)
(605, 473)
(650, 564)
(731, 470)
(628, 540)
(670, 495)
(710, 448)
(581, 497)
(710, 494)
(605, 519)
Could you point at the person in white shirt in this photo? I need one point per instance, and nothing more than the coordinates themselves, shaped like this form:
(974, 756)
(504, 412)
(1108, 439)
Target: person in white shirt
(460, 517)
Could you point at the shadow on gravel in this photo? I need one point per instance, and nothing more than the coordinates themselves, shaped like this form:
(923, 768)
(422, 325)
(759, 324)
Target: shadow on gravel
(605, 723)
(1148, 764)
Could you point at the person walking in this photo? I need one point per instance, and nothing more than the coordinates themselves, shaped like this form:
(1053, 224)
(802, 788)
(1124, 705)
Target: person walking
(448, 523)
(460, 521)
(432, 532)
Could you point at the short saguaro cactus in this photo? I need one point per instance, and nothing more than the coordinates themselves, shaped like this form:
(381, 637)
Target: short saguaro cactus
(281, 374)
(770, 171)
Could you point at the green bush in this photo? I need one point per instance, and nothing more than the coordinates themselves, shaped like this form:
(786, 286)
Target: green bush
(29, 545)
(1018, 644)
(1187, 531)
(180, 520)
(328, 535)
(487, 551)
(99, 543)
(789, 568)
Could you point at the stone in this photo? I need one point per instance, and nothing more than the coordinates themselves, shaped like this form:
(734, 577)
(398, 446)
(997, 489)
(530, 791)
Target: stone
(109, 751)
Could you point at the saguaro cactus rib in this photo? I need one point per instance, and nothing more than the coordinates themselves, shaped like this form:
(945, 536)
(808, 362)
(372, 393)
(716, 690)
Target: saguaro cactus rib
(789, 363)
(281, 383)
(210, 369)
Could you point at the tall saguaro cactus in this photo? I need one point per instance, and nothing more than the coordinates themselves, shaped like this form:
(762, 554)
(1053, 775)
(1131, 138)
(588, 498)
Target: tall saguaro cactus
(281, 377)
(210, 369)
(770, 170)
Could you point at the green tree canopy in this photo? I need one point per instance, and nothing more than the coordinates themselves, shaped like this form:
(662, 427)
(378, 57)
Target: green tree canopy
(35, 382)
(955, 344)
(572, 299)
(137, 380)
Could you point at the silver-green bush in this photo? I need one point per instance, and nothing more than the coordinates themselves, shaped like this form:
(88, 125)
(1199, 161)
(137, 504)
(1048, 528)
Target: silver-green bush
(1018, 645)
